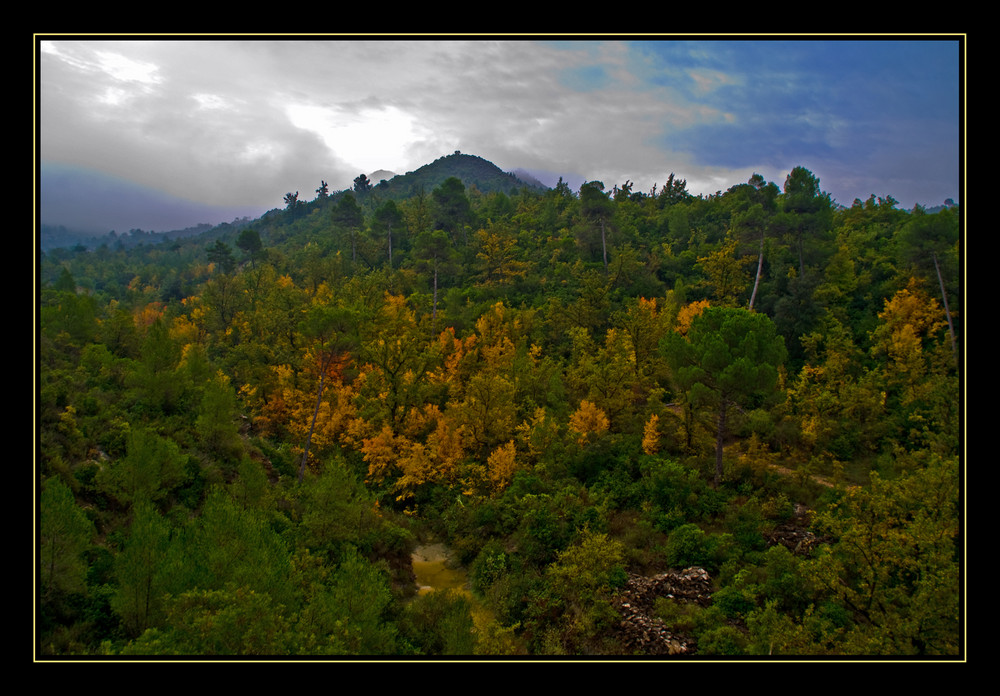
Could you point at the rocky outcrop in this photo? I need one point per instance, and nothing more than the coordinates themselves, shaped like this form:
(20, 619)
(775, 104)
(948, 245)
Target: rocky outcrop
(647, 635)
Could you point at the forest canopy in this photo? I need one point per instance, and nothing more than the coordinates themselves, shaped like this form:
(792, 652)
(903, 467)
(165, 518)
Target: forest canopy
(242, 435)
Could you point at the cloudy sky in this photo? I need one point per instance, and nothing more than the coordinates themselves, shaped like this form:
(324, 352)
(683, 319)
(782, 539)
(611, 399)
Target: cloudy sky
(161, 134)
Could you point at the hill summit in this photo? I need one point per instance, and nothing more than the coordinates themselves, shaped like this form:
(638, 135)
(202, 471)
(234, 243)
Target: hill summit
(470, 169)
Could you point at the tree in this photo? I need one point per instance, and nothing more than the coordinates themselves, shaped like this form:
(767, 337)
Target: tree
(221, 255)
(580, 583)
(597, 208)
(64, 534)
(807, 210)
(725, 271)
(932, 240)
(452, 208)
(291, 200)
(249, 242)
(152, 467)
(729, 359)
(362, 185)
(140, 569)
(323, 190)
(330, 330)
(433, 251)
(347, 216)
(388, 217)
(893, 562)
(751, 219)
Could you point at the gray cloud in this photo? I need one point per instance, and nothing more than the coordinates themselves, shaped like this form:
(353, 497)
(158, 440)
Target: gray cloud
(238, 123)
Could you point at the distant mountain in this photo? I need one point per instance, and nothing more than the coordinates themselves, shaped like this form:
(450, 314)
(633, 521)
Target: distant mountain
(470, 169)
(381, 174)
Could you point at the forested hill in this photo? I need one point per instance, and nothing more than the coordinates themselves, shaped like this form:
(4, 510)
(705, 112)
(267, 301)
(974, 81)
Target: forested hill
(243, 435)
(469, 169)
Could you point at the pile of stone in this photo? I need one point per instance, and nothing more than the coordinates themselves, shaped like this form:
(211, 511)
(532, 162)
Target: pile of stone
(645, 634)
(794, 533)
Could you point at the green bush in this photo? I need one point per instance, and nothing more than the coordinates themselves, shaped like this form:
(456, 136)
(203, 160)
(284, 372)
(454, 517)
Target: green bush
(686, 546)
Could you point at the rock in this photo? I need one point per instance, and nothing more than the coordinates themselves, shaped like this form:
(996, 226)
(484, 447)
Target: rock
(645, 634)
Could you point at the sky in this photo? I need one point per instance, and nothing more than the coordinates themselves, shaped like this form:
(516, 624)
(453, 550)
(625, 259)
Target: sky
(162, 133)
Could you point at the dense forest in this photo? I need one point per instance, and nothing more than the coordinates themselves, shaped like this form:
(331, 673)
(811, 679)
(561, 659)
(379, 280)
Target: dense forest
(242, 435)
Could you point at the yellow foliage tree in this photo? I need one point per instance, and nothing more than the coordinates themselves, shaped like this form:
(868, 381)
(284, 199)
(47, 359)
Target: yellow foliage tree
(588, 420)
(687, 314)
(651, 435)
(501, 465)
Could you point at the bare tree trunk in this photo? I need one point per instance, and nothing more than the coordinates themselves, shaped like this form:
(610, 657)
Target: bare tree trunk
(604, 247)
(719, 438)
(756, 282)
(312, 426)
(947, 312)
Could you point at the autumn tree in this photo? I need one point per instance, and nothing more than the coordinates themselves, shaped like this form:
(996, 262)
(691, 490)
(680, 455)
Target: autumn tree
(916, 372)
(725, 270)
(329, 331)
(728, 360)
(931, 242)
(498, 256)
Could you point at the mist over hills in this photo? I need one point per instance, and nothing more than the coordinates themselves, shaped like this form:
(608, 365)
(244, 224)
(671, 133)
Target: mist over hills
(84, 207)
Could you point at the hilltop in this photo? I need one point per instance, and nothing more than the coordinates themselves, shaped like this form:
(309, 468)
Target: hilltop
(470, 169)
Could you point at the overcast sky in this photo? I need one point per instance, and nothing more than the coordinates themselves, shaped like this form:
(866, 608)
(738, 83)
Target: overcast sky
(235, 124)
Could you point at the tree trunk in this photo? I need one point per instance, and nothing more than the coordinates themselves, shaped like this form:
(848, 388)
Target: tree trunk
(604, 247)
(756, 282)
(312, 426)
(719, 438)
(434, 313)
(947, 312)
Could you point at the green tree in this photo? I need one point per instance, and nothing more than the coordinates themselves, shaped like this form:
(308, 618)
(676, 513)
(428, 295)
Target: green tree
(151, 468)
(581, 582)
(597, 208)
(348, 612)
(452, 209)
(141, 569)
(388, 217)
(216, 423)
(250, 244)
(439, 623)
(729, 359)
(362, 185)
(347, 216)
(807, 211)
(64, 535)
(893, 562)
(434, 252)
(233, 544)
(221, 255)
